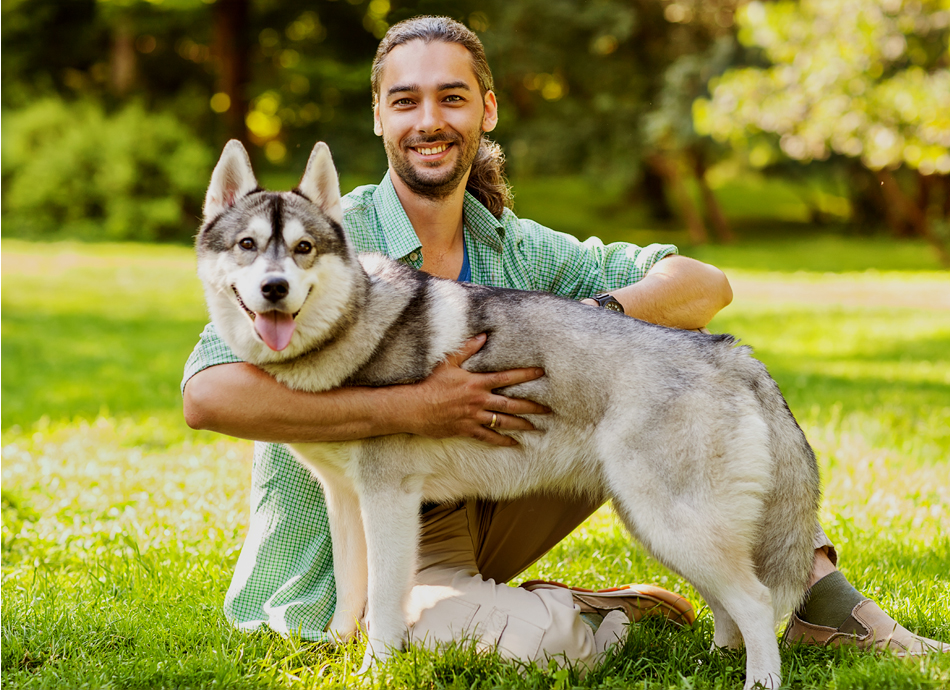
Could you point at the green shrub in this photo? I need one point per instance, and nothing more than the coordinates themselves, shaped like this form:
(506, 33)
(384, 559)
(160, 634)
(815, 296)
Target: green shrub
(74, 170)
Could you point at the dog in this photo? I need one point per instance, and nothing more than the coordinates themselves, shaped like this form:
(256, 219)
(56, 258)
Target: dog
(686, 433)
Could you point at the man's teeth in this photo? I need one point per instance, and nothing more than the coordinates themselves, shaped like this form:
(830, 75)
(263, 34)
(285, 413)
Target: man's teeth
(432, 151)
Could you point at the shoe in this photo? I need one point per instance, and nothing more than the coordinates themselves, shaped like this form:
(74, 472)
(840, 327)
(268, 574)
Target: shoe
(636, 601)
(867, 628)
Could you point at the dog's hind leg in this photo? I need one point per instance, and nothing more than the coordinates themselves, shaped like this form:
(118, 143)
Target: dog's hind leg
(711, 548)
(749, 605)
(391, 522)
(727, 634)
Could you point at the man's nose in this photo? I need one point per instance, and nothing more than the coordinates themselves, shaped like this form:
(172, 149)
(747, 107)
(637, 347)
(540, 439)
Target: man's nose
(430, 120)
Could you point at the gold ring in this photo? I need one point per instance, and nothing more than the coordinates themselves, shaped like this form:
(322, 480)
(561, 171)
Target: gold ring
(494, 421)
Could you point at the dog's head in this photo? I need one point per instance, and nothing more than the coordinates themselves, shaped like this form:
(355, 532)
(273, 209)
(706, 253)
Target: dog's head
(277, 269)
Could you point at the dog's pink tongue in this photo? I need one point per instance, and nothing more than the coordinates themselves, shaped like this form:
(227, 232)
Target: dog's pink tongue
(276, 328)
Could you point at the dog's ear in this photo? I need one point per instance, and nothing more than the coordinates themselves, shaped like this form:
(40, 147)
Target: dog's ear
(320, 183)
(232, 178)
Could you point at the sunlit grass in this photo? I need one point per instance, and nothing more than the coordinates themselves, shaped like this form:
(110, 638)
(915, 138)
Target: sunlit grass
(121, 530)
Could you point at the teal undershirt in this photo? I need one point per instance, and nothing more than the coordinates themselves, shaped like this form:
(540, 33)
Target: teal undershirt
(465, 275)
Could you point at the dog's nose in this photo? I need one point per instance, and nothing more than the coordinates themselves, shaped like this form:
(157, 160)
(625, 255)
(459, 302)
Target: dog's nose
(274, 289)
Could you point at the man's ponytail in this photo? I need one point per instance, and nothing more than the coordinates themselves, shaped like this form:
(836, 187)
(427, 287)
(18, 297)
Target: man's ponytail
(487, 181)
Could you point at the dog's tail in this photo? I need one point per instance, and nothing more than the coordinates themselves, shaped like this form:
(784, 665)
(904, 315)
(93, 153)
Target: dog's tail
(785, 550)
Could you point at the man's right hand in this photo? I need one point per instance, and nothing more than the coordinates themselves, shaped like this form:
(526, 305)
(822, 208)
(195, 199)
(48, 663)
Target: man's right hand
(456, 402)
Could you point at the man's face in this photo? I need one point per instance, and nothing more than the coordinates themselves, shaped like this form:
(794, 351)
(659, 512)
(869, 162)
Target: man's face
(431, 115)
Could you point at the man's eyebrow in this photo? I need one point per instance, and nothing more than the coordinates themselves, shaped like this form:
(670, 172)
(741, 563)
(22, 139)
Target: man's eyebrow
(402, 88)
(415, 88)
(451, 86)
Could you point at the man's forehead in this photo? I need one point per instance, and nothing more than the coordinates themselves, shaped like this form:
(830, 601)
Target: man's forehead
(428, 65)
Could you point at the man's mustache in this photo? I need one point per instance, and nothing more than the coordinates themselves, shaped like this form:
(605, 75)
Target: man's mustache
(428, 141)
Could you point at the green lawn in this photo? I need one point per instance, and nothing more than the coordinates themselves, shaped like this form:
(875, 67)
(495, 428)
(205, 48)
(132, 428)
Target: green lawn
(121, 526)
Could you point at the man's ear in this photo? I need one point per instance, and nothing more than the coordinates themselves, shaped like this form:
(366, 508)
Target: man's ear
(377, 123)
(320, 183)
(491, 112)
(232, 179)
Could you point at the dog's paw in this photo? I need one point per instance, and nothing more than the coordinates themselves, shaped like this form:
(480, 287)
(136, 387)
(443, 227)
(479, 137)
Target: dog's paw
(369, 662)
(373, 659)
(770, 681)
(343, 626)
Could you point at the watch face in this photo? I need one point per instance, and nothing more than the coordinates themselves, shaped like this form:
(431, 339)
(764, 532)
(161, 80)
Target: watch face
(608, 301)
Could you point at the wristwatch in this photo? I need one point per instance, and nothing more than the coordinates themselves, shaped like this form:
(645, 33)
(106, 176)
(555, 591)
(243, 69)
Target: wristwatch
(608, 301)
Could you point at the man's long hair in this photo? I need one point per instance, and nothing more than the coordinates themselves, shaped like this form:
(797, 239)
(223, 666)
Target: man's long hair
(487, 181)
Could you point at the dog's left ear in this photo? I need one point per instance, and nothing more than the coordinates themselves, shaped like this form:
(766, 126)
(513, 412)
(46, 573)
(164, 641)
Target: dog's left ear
(320, 183)
(232, 178)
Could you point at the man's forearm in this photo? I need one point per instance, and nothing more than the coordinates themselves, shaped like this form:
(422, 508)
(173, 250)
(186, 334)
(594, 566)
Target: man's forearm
(677, 292)
(241, 400)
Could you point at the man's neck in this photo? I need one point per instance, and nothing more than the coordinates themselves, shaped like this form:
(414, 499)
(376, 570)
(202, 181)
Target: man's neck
(438, 224)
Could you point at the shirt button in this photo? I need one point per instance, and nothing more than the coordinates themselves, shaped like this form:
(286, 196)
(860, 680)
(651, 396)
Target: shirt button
(414, 256)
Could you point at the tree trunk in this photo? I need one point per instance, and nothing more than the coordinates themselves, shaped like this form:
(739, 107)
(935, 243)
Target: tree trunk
(122, 59)
(713, 209)
(651, 190)
(669, 171)
(914, 215)
(231, 51)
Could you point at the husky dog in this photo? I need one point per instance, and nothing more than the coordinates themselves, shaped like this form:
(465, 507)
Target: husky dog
(685, 433)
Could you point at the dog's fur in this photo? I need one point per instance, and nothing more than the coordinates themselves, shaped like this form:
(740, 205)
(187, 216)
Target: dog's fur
(686, 433)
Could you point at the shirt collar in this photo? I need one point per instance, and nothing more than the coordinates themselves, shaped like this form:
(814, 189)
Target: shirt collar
(401, 238)
(481, 224)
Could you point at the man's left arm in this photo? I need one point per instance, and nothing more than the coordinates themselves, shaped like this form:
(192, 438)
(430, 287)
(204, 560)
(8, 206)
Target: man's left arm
(678, 292)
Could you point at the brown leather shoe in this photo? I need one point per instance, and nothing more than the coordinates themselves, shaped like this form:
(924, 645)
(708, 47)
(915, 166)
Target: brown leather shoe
(636, 601)
(867, 628)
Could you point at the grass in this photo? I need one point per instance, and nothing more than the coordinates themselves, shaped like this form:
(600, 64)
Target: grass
(121, 526)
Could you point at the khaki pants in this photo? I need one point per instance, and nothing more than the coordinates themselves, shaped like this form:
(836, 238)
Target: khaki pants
(470, 549)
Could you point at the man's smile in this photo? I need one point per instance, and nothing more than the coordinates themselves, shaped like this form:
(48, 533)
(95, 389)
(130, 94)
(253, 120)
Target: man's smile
(432, 149)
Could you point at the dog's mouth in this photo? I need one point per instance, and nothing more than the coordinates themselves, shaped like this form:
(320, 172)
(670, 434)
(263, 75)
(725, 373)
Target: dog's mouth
(275, 328)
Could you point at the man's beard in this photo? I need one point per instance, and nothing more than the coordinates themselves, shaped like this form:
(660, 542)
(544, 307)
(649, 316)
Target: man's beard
(442, 182)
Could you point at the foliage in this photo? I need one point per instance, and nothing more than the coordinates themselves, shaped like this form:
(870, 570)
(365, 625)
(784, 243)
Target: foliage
(594, 70)
(120, 531)
(72, 170)
(860, 78)
(604, 89)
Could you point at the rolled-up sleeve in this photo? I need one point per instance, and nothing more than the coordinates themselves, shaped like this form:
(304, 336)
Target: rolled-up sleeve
(564, 265)
(210, 351)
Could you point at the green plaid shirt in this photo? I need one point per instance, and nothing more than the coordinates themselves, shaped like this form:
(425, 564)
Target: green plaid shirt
(284, 575)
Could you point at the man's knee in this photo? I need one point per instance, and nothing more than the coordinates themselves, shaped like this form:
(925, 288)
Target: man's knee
(530, 626)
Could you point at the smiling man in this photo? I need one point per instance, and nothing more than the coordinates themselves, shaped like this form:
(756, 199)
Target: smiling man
(444, 207)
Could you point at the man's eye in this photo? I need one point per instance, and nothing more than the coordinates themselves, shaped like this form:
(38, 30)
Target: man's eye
(247, 243)
(303, 247)
(454, 99)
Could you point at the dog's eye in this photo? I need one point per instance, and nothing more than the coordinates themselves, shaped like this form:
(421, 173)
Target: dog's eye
(303, 247)
(247, 243)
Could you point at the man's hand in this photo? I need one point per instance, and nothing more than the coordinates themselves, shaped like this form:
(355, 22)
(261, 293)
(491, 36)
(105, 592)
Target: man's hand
(456, 402)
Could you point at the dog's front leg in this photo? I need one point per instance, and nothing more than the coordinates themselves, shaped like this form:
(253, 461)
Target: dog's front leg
(349, 553)
(391, 521)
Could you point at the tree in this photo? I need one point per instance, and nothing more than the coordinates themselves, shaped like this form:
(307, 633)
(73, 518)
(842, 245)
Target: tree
(860, 79)
(598, 86)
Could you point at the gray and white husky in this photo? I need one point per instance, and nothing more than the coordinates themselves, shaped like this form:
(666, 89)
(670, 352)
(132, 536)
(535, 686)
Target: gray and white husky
(685, 433)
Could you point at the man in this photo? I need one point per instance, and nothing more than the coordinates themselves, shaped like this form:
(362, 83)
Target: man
(442, 209)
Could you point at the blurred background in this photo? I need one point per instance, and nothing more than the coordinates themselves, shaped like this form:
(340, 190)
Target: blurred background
(702, 122)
